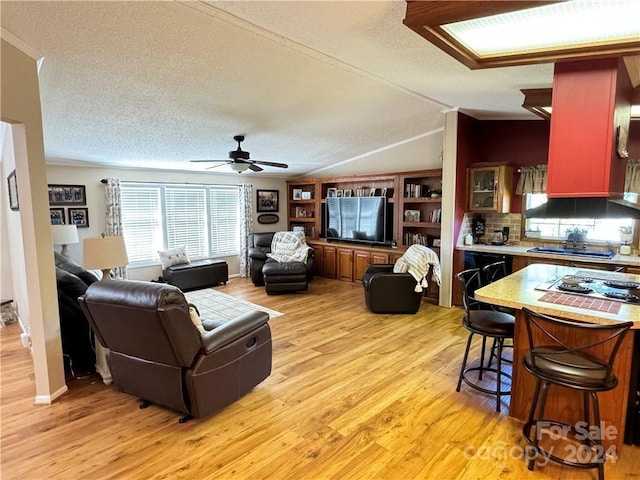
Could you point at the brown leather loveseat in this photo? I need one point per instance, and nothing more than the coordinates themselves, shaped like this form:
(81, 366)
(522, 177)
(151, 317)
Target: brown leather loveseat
(157, 353)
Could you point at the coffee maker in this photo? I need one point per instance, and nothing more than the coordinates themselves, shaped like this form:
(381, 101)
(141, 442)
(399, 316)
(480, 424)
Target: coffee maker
(500, 237)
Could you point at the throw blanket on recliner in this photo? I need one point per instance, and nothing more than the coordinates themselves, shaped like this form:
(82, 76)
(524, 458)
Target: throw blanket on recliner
(416, 261)
(289, 247)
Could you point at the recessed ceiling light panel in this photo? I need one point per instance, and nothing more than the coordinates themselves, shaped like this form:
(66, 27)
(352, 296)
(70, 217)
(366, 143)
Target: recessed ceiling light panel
(577, 23)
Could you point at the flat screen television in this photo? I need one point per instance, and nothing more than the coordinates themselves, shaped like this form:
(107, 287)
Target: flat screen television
(367, 220)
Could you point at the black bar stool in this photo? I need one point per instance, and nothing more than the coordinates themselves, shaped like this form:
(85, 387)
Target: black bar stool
(481, 319)
(492, 272)
(553, 362)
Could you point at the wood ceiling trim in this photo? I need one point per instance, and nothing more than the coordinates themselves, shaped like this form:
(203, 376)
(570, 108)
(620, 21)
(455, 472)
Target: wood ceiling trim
(426, 17)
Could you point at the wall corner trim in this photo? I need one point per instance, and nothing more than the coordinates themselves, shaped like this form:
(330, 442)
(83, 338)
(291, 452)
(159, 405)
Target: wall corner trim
(49, 399)
(20, 45)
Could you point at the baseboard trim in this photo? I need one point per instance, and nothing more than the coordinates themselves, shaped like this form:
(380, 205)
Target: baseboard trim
(49, 399)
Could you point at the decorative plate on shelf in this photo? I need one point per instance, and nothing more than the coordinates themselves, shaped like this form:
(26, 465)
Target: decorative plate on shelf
(267, 218)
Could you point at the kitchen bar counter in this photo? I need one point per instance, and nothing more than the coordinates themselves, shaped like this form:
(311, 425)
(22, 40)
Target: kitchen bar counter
(518, 290)
(631, 260)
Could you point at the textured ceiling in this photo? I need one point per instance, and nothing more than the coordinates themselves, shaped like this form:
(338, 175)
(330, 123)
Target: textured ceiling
(311, 84)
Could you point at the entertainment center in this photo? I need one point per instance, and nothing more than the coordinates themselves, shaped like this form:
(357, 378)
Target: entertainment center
(408, 205)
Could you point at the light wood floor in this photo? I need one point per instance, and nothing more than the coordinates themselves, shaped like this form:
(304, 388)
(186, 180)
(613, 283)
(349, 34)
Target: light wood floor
(352, 395)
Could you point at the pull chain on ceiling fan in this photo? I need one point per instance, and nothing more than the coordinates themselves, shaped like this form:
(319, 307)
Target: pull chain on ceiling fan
(239, 160)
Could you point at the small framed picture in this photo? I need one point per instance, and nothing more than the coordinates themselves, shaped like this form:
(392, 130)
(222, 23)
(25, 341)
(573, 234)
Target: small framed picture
(301, 212)
(79, 217)
(267, 200)
(57, 216)
(332, 192)
(297, 194)
(339, 193)
(306, 195)
(372, 192)
(13, 191)
(412, 215)
(436, 242)
(67, 195)
(347, 192)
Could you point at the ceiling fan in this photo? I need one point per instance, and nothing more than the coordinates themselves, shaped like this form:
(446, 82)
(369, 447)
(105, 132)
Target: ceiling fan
(239, 160)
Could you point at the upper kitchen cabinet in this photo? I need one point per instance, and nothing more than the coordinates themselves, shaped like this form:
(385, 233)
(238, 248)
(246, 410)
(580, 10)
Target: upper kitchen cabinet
(490, 188)
(589, 127)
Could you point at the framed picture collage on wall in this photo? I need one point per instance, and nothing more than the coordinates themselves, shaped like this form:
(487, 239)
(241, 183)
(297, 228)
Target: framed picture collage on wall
(75, 198)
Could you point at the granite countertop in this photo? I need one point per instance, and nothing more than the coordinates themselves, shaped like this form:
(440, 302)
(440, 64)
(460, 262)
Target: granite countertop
(618, 259)
(518, 290)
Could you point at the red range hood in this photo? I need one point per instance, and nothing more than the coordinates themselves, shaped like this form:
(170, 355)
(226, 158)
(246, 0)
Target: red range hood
(591, 110)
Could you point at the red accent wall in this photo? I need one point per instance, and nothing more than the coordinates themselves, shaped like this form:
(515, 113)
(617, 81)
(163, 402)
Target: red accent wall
(467, 147)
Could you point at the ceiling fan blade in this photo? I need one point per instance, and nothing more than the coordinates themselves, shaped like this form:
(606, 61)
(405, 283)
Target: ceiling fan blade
(197, 161)
(271, 164)
(255, 168)
(214, 166)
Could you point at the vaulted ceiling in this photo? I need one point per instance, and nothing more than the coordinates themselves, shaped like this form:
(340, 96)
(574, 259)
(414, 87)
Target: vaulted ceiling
(310, 84)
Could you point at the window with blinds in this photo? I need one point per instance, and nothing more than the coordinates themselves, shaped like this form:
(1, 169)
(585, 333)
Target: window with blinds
(203, 218)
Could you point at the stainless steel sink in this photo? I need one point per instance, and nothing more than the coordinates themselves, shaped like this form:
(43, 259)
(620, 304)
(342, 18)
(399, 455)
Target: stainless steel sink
(578, 252)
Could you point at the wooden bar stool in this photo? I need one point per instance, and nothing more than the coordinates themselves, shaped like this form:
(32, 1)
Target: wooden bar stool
(571, 364)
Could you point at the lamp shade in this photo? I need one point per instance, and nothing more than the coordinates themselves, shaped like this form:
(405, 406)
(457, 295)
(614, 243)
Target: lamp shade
(104, 253)
(64, 234)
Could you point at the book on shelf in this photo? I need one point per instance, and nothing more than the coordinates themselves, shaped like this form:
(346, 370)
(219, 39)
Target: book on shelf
(416, 190)
(435, 215)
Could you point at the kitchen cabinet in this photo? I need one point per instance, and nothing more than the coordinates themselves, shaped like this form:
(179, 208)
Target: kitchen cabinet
(490, 188)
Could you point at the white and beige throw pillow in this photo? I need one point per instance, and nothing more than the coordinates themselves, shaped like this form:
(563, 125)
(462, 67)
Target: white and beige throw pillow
(173, 256)
(195, 318)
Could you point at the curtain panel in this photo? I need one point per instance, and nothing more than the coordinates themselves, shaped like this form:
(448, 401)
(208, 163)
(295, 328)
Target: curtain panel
(113, 216)
(246, 226)
(532, 180)
(632, 177)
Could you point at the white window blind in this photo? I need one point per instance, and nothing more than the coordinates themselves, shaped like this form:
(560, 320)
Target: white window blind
(141, 221)
(186, 219)
(203, 218)
(224, 219)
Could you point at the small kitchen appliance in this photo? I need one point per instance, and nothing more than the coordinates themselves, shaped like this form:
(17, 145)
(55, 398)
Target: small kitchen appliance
(500, 237)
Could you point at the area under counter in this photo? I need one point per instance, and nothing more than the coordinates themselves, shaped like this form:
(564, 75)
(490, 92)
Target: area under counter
(517, 291)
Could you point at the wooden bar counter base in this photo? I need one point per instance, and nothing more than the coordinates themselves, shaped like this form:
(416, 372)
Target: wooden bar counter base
(518, 290)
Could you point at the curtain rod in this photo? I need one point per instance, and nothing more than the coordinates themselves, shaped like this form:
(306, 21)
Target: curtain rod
(104, 180)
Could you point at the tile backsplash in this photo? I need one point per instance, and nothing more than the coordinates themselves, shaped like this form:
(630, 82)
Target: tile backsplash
(493, 221)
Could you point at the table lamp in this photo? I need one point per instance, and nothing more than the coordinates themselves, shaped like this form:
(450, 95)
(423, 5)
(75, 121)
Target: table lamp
(104, 253)
(64, 235)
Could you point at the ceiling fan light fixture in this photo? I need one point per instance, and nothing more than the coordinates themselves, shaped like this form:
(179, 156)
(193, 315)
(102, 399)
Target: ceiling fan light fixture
(239, 167)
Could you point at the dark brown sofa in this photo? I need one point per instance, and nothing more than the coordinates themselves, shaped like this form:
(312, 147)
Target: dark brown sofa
(156, 352)
(277, 277)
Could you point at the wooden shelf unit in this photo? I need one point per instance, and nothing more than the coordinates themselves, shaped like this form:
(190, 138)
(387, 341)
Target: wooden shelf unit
(347, 261)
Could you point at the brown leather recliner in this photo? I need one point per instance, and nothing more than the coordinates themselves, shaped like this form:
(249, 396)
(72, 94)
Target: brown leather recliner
(388, 292)
(156, 352)
(288, 276)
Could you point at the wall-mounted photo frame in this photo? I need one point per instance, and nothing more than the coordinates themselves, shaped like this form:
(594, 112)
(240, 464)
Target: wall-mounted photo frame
(267, 200)
(12, 183)
(332, 192)
(57, 216)
(67, 195)
(79, 217)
